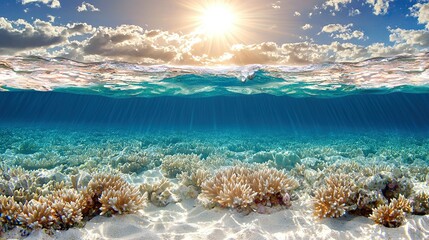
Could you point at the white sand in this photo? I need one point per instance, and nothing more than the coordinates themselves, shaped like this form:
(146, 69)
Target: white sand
(189, 220)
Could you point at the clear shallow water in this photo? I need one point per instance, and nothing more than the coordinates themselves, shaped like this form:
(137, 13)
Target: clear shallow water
(60, 119)
(387, 96)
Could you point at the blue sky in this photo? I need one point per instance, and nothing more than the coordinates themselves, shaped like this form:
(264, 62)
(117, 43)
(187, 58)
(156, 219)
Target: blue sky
(170, 31)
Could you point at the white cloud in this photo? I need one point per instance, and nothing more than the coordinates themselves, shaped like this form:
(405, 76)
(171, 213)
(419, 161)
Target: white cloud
(415, 38)
(354, 12)
(343, 32)
(51, 18)
(276, 5)
(49, 3)
(87, 7)
(421, 12)
(134, 44)
(306, 27)
(380, 6)
(297, 14)
(336, 4)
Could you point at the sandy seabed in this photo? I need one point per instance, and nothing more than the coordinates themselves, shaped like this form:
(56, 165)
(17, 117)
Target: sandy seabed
(189, 220)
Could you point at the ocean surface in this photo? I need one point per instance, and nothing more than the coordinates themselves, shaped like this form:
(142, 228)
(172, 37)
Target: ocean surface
(382, 94)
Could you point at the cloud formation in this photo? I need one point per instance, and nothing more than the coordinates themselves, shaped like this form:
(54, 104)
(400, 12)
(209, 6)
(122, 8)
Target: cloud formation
(380, 7)
(307, 26)
(343, 32)
(49, 3)
(135, 44)
(417, 38)
(20, 35)
(336, 4)
(421, 12)
(87, 7)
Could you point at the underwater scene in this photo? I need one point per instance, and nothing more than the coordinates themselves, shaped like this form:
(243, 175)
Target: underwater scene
(267, 154)
(215, 119)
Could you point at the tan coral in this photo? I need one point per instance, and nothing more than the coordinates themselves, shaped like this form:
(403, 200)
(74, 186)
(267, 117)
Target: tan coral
(421, 204)
(194, 179)
(9, 210)
(111, 194)
(126, 199)
(158, 193)
(178, 163)
(392, 215)
(332, 200)
(67, 205)
(103, 181)
(402, 203)
(243, 187)
(37, 213)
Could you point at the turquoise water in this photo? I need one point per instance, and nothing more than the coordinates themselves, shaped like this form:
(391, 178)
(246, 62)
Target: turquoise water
(62, 120)
(312, 106)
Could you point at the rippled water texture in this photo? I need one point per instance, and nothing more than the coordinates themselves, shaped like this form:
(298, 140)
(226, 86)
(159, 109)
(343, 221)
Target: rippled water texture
(119, 79)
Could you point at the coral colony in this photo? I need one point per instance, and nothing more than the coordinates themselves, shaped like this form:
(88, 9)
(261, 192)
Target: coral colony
(46, 191)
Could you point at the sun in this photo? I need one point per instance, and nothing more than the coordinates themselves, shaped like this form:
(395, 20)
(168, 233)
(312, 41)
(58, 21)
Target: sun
(217, 19)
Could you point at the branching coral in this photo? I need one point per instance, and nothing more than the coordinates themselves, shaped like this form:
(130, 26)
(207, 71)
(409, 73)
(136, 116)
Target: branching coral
(67, 205)
(178, 163)
(37, 213)
(392, 215)
(194, 179)
(332, 200)
(421, 204)
(158, 193)
(126, 199)
(9, 211)
(113, 195)
(241, 187)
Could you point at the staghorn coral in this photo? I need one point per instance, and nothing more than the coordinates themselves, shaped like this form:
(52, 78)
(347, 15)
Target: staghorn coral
(158, 193)
(178, 163)
(9, 211)
(101, 182)
(392, 215)
(334, 199)
(111, 194)
(133, 162)
(245, 187)
(194, 179)
(37, 213)
(126, 199)
(67, 205)
(421, 203)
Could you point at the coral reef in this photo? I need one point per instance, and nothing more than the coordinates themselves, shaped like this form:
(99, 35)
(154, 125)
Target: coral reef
(9, 211)
(113, 194)
(335, 198)
(392, 215)
(243, 188)
(57, 206)
(179, 163)
(158, 193)
(420, 203)
(126, 199)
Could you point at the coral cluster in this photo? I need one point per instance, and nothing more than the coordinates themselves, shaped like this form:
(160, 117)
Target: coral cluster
(421, 203)
(158, 193)
(249, 188)
(334, 199)
(114, 194)
(179, 163)
(392, 215)
(62, 207)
